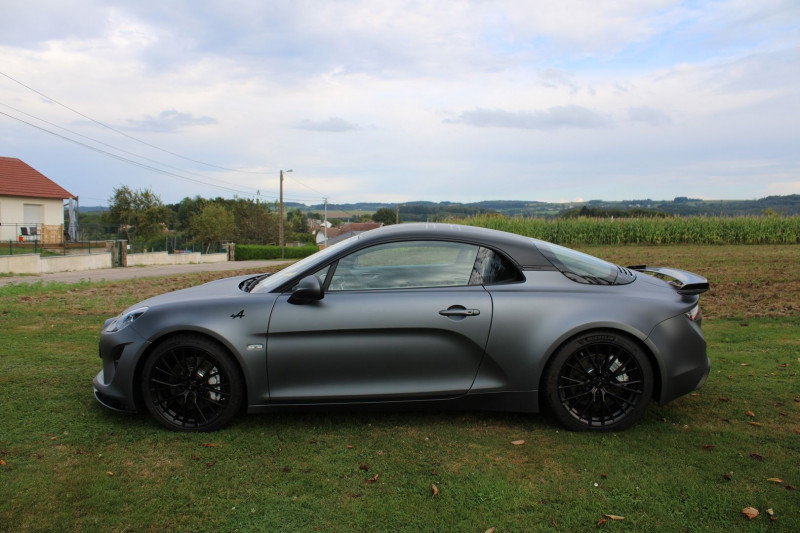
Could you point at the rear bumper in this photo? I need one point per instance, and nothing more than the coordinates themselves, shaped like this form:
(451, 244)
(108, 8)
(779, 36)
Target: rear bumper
(681, 353)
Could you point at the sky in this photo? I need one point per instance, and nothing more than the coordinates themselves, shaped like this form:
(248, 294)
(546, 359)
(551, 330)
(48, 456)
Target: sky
(399, 101)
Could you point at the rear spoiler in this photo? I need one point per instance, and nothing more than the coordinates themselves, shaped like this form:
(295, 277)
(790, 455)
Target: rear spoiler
(685, 282)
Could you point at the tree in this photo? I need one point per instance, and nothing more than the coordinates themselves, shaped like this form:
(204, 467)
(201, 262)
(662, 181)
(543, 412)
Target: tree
(213, 224)
(296, 221)
(140, 214)
(386, 215)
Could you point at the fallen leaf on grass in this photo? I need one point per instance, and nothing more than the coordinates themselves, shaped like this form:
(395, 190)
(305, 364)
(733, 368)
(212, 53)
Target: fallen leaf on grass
(789, 487)
(517, 442)
(364, 467)
(350, 446)
(774, 480)
(745, 364)
(750, 413)
(601, 521)
(757, 457)
(490, 530)
(723, 399)
(614, 517)
(435, 490)
(750, 512)
(373, 479)
(2, 463)
(727, 476)
(210, 445)
(756, 424)
(110, 474)
(709, 446)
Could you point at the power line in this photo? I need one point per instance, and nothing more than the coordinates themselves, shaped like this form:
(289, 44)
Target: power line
(105, 144)
(139, 164)
(119, 132)
(115, 130)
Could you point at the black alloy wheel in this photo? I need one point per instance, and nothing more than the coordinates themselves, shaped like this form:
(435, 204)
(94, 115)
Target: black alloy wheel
(599, 381)
(190, 383)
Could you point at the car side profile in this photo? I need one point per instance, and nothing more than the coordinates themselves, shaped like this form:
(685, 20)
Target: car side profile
(420, 316)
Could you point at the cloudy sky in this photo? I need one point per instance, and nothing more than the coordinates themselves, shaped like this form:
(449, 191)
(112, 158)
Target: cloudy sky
(396, 101)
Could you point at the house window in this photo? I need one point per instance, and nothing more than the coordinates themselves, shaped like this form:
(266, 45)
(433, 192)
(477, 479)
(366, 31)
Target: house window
(32, 214)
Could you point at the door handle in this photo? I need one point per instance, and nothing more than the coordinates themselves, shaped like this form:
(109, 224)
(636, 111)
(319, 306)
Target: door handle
(457, 310)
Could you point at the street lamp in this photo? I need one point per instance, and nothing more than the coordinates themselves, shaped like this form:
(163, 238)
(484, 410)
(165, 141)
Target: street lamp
(280, 216)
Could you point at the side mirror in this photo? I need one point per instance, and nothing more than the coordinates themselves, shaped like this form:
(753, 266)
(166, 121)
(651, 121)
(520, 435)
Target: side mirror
(308, 289)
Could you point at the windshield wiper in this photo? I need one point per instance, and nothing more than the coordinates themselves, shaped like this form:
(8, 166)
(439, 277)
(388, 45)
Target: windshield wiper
(248, 284)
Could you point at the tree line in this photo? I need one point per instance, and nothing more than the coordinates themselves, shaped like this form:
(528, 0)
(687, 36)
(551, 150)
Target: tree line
(140, 217)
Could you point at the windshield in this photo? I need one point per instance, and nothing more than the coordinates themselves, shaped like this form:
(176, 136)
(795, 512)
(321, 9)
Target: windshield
(279, 278)
(583, 268)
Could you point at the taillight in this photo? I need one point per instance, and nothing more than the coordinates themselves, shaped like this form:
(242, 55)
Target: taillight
(694, 314)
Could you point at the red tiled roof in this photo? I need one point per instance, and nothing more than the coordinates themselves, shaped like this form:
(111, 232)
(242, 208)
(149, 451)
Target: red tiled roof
(19, 179)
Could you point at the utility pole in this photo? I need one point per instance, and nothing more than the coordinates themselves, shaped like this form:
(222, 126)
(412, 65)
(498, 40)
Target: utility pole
(325, 223)
(280, 217)
(396, 213)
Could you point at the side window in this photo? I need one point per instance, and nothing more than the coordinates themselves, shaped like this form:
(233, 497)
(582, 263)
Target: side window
(402, 265)
(492, 268)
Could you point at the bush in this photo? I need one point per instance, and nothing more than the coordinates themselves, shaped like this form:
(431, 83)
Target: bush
(247, 252)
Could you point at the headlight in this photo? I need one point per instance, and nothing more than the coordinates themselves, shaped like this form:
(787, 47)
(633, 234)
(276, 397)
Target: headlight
(124, 320)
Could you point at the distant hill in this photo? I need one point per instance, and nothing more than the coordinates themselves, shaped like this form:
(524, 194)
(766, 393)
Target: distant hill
(680, 206)
(92, 208)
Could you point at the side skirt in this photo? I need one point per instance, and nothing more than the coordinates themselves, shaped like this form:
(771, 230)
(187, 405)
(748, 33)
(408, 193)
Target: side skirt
(512, 402)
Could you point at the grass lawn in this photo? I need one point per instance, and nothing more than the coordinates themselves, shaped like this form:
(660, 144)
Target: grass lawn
(67, 464)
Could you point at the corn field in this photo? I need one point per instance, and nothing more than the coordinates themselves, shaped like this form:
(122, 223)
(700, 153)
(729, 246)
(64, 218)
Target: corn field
(655, 231)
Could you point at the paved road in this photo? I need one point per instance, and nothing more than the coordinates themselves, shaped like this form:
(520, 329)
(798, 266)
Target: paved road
(112, 274)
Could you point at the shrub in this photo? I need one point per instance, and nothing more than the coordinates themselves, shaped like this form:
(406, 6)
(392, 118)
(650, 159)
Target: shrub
(246, 252)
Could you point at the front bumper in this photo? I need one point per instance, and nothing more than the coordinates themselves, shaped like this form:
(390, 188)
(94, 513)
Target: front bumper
(114, 385)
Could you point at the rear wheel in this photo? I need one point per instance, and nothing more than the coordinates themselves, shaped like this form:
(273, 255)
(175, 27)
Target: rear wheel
(599, 381)
(191, 383)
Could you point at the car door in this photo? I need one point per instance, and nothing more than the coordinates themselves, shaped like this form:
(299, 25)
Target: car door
(397, 321)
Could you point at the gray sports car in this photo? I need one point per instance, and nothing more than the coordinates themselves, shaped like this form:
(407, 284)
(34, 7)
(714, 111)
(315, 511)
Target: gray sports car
(415, 315)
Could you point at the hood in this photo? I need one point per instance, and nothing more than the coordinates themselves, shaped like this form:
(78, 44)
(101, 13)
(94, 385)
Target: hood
(221, 288)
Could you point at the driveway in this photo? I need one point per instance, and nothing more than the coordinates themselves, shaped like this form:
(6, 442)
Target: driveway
(113, 274)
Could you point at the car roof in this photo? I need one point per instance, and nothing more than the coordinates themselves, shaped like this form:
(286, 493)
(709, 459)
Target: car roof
(520, 249)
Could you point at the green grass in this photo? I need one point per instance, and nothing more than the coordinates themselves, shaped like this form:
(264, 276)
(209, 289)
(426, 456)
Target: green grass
(71, 465)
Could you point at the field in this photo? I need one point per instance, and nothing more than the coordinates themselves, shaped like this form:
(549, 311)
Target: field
(656, 231)
(67, 464)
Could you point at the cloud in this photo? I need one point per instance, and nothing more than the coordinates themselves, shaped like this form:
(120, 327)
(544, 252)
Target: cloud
(169, 121)
(648, 115)
(564, 116)
(333, 124)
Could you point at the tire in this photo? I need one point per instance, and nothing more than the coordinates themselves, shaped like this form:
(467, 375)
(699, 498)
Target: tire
(190, 383)
(598, 381)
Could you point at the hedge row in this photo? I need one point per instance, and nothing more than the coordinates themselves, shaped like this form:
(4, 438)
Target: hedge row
(247, 252)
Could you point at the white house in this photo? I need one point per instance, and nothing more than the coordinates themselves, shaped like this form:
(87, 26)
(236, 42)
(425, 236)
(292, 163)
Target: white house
(31, 205)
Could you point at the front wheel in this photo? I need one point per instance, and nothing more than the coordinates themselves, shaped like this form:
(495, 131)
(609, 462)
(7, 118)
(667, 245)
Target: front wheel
(599, 381)
(190, 383)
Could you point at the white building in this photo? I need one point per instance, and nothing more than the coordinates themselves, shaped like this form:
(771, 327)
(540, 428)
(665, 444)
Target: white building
(31, 205)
